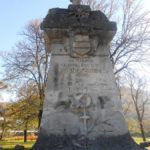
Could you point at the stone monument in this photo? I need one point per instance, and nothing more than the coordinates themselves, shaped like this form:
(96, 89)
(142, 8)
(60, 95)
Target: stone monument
(82, 109)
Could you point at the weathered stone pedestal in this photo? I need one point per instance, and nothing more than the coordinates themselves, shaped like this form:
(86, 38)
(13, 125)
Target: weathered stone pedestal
(82, 109)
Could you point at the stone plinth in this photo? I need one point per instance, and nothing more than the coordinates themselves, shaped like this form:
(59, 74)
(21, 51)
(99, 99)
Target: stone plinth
(82, 109)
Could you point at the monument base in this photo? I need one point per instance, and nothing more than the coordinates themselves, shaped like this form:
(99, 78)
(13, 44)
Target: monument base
(54, 142)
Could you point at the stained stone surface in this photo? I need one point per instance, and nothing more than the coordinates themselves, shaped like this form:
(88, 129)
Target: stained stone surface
(54, 142)
(82, 109)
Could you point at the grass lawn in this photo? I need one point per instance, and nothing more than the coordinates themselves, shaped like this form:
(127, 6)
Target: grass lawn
(9, 144)
(139, 140)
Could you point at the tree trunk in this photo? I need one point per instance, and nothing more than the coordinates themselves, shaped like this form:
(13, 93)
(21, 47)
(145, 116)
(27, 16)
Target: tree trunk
(140, 124)
(2, 130)
(1, 135)
(142, 131)
(25, 135)
(25, 131)
(39, 117)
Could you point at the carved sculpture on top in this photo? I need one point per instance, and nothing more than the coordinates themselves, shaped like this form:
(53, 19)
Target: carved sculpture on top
(76, 2)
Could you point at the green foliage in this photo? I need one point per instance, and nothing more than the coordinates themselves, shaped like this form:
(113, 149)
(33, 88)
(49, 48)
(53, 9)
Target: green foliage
(24, 112)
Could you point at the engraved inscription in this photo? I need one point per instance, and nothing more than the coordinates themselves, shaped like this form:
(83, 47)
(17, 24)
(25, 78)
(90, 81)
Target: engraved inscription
(82, 68)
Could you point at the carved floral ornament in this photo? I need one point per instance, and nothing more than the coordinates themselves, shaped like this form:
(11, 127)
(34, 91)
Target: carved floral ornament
(79, 13)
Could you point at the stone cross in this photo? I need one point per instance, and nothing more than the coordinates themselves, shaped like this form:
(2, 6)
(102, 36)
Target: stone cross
(85, 117)
(76, 2)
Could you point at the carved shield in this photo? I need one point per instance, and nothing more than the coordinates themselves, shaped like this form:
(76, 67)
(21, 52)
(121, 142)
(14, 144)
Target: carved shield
(81, 45)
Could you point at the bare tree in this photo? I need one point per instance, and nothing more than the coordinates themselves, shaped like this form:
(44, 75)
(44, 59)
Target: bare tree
(29, 61)
(130, 44)
(126, 107)
(131, 41)
(108, 7)
(139, 99)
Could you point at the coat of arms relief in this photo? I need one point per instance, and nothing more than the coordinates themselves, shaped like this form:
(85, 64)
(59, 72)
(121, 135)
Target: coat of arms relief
(82, 46)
